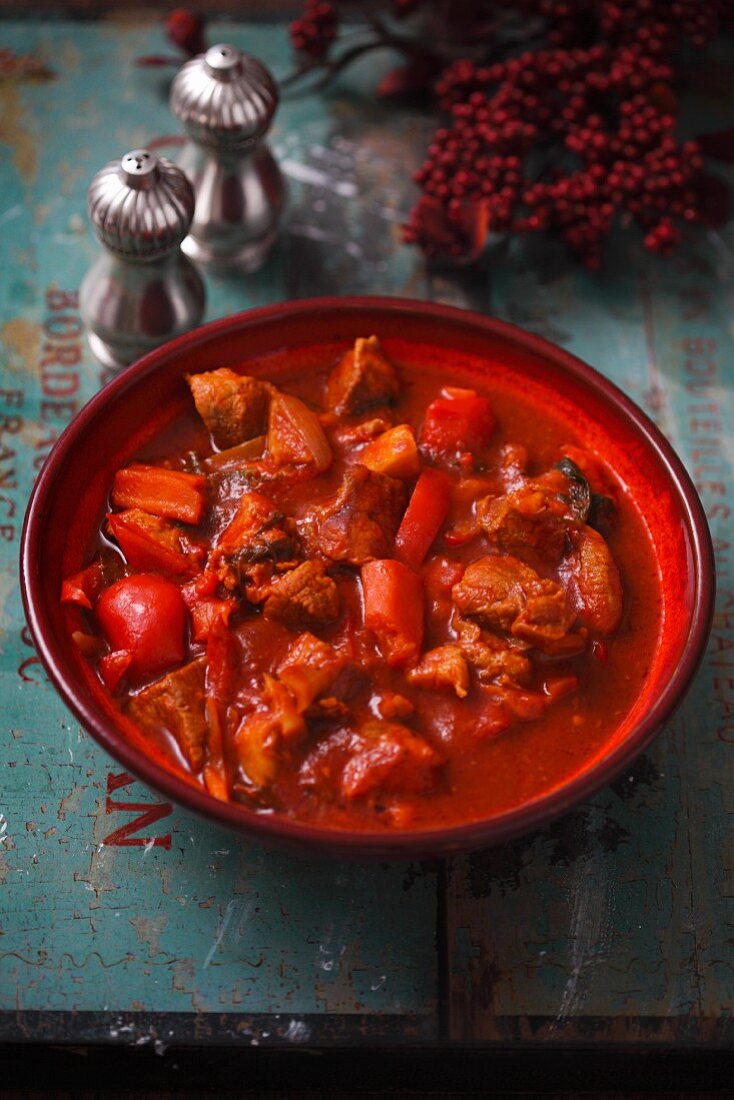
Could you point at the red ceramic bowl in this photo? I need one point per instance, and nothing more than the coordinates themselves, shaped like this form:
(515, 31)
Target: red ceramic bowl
(69, 500)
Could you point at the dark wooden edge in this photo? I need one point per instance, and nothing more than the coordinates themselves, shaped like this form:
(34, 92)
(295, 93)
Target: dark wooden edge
(421, 1070)
(160, 1030)
(238, 1030)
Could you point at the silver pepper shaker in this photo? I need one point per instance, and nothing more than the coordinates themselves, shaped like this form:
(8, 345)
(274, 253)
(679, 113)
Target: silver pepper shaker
(142, 290)
(226, 100)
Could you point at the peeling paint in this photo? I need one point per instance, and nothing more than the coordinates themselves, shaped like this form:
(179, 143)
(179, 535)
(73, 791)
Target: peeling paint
(22, 340)
(17, 132)
(149, 931)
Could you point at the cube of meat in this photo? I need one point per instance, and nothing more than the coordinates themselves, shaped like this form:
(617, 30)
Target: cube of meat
(391, 705)
(304, 596)
(176, 704)
(491, 590)
(258, 532)
(546, 618)
(443, 667)
(503, 593)
(389, 757)
(309, 669)
(348, 436)
(362, 520)
(328, 709)
(593, 583)
(265, 736)
(513, 464)
(253, 579)
(364, 377)
(233, 406)
(495, 658)
(532, 521)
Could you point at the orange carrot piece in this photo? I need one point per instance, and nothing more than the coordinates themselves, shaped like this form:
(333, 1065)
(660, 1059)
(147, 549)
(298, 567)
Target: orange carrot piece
(169, 493)
(393, 610)
(395, 452)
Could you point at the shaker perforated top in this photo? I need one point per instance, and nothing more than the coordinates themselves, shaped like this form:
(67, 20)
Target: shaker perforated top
(141, 205)
(225, 98)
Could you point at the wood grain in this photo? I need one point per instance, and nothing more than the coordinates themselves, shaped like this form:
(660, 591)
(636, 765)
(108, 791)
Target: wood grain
(612, 925)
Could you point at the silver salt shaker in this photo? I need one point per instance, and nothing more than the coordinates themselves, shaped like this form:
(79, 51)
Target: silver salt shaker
(142, 290)
(226, 100)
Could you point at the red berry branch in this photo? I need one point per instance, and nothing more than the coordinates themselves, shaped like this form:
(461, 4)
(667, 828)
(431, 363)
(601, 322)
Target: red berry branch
(561, 115)
(186, 30)
(313, 34)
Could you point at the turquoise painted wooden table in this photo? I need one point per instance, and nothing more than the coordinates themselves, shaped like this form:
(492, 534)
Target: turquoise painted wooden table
(125, 920)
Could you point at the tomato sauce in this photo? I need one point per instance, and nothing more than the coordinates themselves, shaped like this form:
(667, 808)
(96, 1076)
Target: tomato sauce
(399, 686)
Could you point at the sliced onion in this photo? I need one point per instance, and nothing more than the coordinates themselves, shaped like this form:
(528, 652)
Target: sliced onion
(89, 644)
(236, 456)
(299, 436)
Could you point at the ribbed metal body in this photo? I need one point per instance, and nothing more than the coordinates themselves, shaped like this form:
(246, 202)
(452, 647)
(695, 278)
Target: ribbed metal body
(226, 101)
(142, 290)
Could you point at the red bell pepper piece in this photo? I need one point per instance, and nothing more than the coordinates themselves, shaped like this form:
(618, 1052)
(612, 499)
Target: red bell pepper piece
(215, 769)
(199, 588)
(222, 663)
(426, 511)
(206, 612)
(255, 511)
(113, 666)
(172, 494)
(221, 677)
(393, 610)
(457, 423)
(84, 588)
(148, 554)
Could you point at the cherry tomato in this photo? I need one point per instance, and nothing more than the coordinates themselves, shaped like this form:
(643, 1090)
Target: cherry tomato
(145, 615)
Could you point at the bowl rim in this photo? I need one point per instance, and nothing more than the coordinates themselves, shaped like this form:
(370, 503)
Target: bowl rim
(279, 829)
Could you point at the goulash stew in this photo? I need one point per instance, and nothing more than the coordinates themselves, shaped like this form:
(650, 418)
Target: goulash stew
(367, 597)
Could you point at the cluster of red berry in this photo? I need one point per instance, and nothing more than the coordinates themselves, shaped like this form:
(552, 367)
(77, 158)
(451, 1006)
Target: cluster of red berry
(572, 138)
(316, 29)
(566, 140)
(665, 19)
(314, 32)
